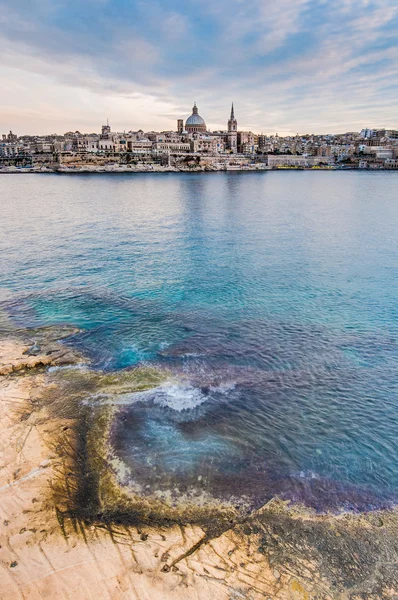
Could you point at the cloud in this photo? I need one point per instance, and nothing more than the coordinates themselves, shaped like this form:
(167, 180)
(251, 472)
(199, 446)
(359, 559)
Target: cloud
(308, 65)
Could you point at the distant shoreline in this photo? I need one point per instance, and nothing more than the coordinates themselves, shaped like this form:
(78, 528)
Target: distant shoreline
(31, 171)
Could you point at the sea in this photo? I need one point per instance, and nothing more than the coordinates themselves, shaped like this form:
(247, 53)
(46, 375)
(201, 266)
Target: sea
(270, 297)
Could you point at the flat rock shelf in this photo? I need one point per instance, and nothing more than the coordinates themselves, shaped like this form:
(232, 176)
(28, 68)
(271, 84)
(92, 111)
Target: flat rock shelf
(69, 527)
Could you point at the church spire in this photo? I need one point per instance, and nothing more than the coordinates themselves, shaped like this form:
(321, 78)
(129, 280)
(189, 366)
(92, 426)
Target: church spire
(232, 122)
(232, 134)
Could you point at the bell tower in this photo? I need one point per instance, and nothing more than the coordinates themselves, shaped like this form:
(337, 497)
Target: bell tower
(232, 131)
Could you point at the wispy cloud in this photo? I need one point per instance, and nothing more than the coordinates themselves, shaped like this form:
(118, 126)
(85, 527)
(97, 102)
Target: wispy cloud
(289, 66)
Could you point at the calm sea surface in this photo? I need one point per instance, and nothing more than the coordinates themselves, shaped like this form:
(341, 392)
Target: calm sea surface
(271, 296)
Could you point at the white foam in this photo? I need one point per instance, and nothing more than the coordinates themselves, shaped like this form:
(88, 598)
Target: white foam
(308, 475)
(224, 388)
(79, 367)
(175, 395)
(164, 345)
(178, 396)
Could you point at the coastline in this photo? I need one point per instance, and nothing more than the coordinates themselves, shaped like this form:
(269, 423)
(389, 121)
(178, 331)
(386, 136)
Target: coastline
(162, 169)
(68, 527)
(100, 171)
(131, 170)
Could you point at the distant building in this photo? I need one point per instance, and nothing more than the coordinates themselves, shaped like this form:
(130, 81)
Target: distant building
(391, 163)
(195, 123)
(291, 160)
(245, 142)
(367, 133)
(262, 141)
(232, 135)
(324, 151)
(11, 137)
(106, 131)
(180, 126)
(205, 144)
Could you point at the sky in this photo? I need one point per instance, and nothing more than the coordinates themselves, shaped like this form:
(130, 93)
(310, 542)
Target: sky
(289, 66)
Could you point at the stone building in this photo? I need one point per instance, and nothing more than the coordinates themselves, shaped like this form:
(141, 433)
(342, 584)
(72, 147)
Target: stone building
(232, 135)
(177, 147)
(195, 123)
(203, 143)
(294, 160)
(106, 131)
(11, 137)
(245, 142)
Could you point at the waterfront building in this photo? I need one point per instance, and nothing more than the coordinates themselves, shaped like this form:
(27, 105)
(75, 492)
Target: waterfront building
(379, 151)
(142, 146)
(291, 160)
(391, 163)
(169, 146)
(106, 145)
(195, 123)
(88, 143)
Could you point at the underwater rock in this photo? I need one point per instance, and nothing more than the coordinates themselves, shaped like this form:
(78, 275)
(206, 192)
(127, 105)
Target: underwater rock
(34, 350)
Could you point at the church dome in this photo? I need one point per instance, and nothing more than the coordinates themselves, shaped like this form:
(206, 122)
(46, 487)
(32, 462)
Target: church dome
(195, 122)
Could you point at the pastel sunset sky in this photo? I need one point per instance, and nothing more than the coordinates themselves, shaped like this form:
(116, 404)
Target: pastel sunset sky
(289, 65)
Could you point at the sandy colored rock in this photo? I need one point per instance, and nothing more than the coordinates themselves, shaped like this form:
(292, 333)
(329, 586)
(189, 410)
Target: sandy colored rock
(49, 551)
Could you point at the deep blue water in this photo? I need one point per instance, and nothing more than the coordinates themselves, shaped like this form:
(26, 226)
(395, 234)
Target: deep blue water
(271, 296)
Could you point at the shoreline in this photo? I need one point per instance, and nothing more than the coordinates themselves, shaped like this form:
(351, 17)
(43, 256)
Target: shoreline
(33, 171)
(57, 540)
(130, 171)
(154, 168)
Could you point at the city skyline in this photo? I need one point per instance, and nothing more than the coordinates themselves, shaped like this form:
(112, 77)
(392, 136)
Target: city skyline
(310, 67)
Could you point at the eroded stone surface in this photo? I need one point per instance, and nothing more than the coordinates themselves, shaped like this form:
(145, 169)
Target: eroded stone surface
(49, 549)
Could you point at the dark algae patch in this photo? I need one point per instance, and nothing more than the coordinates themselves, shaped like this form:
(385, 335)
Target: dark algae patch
(348, 556)
(87, 487)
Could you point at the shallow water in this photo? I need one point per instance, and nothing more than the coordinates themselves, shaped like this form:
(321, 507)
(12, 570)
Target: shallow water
(271, 297)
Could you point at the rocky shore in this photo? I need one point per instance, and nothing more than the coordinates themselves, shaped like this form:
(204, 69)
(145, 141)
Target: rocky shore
(69, 529)
(155, 168)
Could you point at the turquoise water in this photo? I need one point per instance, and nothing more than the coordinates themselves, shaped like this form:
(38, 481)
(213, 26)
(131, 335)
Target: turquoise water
(272, 297)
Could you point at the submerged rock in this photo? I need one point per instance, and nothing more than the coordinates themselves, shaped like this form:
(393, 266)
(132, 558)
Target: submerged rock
(34, 349)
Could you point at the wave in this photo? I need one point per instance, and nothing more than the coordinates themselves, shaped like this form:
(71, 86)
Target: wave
(77, 367)
(177, 396)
